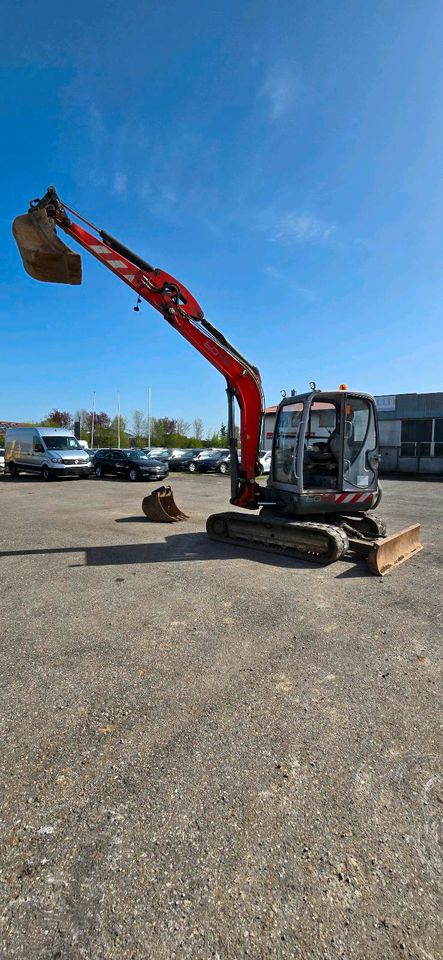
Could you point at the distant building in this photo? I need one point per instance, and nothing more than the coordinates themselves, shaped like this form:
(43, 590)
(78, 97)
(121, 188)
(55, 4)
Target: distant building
(7, 424)
(268, 427)
(411, 432)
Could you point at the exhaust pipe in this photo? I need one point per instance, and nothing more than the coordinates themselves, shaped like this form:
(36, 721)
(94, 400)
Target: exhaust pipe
(45, 257)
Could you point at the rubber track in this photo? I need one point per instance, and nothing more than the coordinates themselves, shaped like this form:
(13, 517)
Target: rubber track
(316, 542)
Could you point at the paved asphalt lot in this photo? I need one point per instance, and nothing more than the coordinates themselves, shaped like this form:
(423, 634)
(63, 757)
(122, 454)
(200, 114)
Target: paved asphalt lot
(209, 754)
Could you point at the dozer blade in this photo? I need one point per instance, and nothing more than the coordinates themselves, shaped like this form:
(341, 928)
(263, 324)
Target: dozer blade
(388, 552)
(160, 507)
(45, 257)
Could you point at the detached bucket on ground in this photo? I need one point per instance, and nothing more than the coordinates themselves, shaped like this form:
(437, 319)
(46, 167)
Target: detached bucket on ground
(160, 507)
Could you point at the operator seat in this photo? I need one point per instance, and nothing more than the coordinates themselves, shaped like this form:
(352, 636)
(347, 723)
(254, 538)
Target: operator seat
(333, 444)
(330, 452)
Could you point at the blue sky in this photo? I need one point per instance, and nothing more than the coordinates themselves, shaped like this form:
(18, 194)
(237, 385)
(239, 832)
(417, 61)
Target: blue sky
(283, 160)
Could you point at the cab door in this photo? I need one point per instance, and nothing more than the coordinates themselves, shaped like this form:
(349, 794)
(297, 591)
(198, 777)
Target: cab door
(360, 444)
(288, 440)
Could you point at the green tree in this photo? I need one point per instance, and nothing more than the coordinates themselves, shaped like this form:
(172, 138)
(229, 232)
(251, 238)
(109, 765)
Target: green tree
(182, 427)
(139, 429)
(113, 432)
(198, 428)
(58, 418)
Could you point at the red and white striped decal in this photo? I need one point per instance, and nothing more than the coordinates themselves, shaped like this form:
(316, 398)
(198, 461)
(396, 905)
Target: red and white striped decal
(347, 498)
(112, 259)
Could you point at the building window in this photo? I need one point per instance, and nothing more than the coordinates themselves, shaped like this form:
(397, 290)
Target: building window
(438, 437)
(416, 438)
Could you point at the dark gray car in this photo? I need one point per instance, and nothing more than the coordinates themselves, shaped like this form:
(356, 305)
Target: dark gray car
(131, 464)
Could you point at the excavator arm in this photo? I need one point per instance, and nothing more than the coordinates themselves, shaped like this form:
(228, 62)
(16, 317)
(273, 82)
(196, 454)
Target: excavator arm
(46, 258)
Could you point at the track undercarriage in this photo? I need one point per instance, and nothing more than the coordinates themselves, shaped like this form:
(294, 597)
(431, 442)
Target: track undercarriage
(319, 542)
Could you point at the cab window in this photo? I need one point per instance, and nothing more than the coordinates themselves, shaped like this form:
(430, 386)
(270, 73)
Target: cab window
(322, 448)
(356, 427)
(359, 441)
(286, 440)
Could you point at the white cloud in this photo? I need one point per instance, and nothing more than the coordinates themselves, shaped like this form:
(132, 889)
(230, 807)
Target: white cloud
(301, 228)
(280, 89)
(120, 183)
(273, 272)
(285, 279)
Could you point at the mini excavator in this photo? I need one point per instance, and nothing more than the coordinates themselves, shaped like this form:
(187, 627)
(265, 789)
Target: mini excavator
(323, 486)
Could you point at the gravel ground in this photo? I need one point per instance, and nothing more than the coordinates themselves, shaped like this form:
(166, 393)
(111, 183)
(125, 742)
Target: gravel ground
(209, 753)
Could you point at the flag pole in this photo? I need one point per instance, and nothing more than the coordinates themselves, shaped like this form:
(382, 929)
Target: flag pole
(149, 416)
(93, 419)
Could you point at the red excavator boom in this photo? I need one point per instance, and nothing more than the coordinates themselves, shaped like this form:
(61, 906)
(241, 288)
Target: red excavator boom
(46, 258)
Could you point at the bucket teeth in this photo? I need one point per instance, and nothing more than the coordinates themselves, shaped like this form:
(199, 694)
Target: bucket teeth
(160, 507)
(45, 257)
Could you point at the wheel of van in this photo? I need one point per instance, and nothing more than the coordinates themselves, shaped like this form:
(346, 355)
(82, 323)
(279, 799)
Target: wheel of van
(192, 468)
(99, 472)
(13, 470)
(46, 473)
(223, 468)
(134, 474)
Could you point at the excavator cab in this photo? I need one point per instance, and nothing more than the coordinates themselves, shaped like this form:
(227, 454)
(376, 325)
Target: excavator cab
(326, 452)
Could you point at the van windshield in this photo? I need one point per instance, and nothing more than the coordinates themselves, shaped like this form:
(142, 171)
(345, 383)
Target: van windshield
(59, 442)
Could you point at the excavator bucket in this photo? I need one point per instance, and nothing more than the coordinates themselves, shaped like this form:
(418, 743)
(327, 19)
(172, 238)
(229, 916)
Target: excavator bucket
(45, 257)
(388, 552)
(160, 507)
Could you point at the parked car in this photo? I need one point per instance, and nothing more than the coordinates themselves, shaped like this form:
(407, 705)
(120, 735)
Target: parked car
(163, 455)
(265, 457)
(210, 460)
(48, 451)
(2, 459)
(223, 464)
(199, 456)
(131, 464)
(181, 460)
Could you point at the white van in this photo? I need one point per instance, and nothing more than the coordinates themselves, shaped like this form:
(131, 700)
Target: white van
(49, 451)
